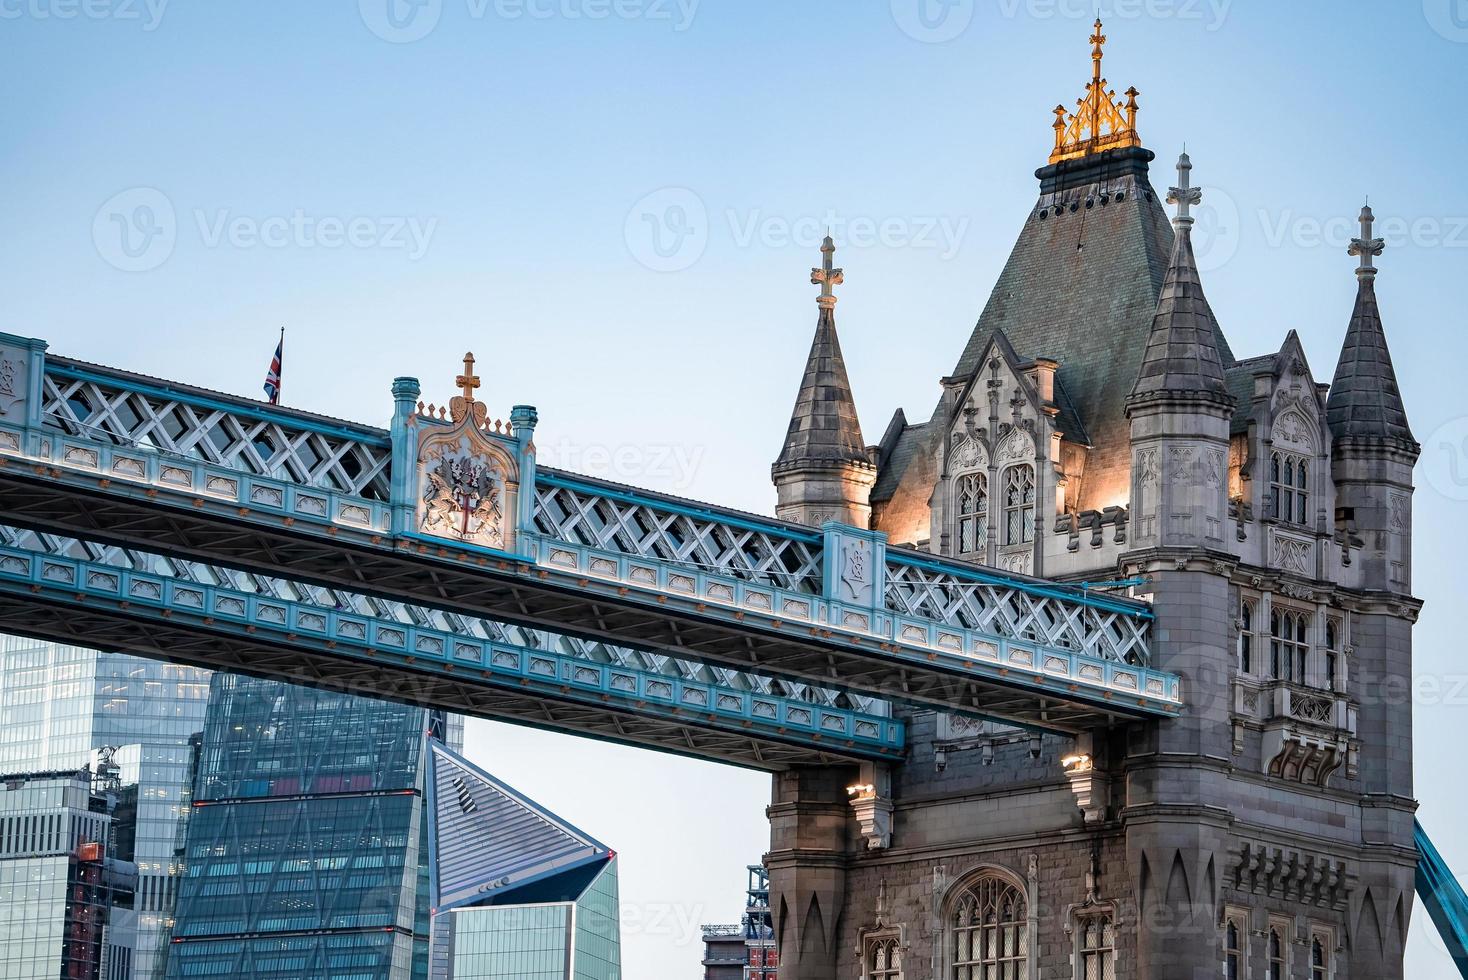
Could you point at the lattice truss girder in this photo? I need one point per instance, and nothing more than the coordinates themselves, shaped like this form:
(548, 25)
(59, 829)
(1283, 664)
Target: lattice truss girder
(183, 427)
(637, 528)
(1009, 611)
(388, 610)
(240, 654)
(36, 501)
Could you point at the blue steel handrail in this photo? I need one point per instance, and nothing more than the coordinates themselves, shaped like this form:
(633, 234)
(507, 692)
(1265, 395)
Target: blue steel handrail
(1443, 897)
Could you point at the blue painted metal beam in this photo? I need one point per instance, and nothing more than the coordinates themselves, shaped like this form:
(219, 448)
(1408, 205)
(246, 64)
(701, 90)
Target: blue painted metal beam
(395, 648)
(1443, 898)
(153, 464)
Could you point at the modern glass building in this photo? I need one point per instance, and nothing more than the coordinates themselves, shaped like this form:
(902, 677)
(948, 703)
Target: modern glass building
(518, 893)
(307, 843)
(61, 705)
(59, 887)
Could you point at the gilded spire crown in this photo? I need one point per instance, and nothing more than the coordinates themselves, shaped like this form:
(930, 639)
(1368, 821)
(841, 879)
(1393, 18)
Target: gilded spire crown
(1101, 121)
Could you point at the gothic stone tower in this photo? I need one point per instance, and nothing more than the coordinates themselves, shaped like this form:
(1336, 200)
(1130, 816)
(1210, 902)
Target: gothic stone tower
(1098, 427)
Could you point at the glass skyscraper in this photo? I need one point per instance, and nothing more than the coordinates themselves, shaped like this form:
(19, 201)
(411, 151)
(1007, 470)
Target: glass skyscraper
(58, 886)
(518, 893)
(59, 706)
(307, 843)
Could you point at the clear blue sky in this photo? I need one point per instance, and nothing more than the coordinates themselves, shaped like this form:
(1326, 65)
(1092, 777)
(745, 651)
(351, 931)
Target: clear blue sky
(497, 182)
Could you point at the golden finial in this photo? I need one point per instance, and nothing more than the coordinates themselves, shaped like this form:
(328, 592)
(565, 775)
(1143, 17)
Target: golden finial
(468, 381)
(1100, 122)
(463, 405)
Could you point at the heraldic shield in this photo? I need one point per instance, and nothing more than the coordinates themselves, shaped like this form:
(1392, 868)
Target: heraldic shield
(468, 476)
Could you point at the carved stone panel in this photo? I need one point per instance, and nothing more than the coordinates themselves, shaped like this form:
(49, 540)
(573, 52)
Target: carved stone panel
(14, 382)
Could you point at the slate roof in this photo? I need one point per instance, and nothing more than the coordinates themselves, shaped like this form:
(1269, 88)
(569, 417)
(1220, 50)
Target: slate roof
(1080, 286)
(908, 441)
(1240, 381)
(1364, 398)
(491, 843)
(823, 426)
(1181, 355)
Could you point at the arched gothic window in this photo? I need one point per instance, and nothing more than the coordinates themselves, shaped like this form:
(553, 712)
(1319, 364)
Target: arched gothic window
(1289, 479)
(1097, 953)
(1019, 504)
(1289, 645)
(1276, 969)
(973, 512)
(991, 931)
(1319, 960)
(884, 960)
(1233, 952)
(1246, 635)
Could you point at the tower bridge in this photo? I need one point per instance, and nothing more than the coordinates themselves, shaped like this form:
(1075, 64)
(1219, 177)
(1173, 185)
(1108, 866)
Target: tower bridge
(1200, 774)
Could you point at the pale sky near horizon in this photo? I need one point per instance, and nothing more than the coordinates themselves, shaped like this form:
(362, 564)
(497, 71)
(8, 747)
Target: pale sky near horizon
(616, 205)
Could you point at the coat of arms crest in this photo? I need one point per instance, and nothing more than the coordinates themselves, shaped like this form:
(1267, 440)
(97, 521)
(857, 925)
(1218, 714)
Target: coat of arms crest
(468, 474)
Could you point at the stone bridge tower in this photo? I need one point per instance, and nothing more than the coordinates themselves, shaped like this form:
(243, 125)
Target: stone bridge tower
(1098, 428)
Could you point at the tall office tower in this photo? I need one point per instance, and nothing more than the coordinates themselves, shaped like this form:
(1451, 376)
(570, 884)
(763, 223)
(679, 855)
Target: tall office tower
(60, 705)
(517, 892)
(307, 842)
(60, 880)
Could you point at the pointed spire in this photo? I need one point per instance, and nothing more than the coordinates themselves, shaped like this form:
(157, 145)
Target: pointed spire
(1364, 399)
(823, 427)
(1182, 356)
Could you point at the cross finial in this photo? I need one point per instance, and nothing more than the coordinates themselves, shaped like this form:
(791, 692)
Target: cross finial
(1097, 40)
(1184, 195)
(1366, 246)
(468, 381)
(827, 277)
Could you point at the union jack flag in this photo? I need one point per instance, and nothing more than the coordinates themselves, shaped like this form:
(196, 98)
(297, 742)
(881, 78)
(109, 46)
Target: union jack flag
(272, 378)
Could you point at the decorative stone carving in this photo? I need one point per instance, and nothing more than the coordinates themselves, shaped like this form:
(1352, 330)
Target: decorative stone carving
(1289, 554)
(14, 380)
(1313, 879)
(468, 480)
(1018, 447)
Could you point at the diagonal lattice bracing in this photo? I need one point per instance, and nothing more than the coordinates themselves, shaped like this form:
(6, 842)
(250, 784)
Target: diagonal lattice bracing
(382, 610)
(583, 513)
(193, 426)
(971, 601)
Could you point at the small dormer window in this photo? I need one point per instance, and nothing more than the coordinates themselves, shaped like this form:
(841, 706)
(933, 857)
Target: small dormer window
(973, 513)
(1289, 480)
(1019, 504)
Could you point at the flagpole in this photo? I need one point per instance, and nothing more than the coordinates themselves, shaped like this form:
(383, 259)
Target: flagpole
(280, 382)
